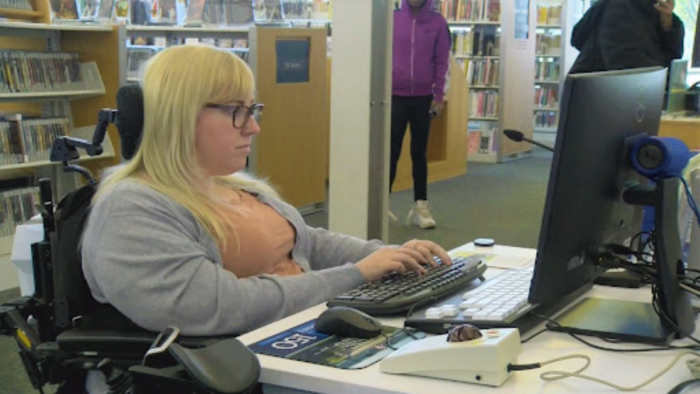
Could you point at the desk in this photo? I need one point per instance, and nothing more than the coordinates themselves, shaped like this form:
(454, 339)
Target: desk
(622, 368)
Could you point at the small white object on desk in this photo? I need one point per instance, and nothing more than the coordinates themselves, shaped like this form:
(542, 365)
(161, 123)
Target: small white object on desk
(509, 262)
(481, 361)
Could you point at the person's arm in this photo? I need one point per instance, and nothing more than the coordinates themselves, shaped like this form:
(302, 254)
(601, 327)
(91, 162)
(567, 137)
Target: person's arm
(329, 249)
(672, 40)
(146, 262)
(621, 40)
(441, 62)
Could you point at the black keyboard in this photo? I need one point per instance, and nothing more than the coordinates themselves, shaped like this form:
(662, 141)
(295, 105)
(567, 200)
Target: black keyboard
(396, 293)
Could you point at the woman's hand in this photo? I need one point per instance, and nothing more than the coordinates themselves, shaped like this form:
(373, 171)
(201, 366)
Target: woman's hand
(428, 249)
(390, 259)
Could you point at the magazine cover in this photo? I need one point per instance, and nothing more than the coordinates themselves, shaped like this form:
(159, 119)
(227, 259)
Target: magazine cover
(195, 11)
(88, 9)
(268, 11)
(238, 12)
(167, 12)
(64, 10)
(104, 10)
(122, 9)
(303, 343)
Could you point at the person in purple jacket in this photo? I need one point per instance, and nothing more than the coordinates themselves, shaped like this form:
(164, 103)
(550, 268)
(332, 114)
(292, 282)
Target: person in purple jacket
(421, 59)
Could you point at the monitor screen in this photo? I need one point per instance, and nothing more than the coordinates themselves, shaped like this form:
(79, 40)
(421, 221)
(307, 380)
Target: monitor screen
(695, 63)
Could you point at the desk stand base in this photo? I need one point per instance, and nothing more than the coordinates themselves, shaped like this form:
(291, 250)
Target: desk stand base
(625, 321)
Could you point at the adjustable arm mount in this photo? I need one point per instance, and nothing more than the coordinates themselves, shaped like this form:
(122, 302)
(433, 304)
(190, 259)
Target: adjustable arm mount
(65, 148)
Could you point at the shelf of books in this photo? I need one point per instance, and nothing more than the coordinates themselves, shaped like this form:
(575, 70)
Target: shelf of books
(54, 79)
(554, 57)
(478, 30)
(548, 69)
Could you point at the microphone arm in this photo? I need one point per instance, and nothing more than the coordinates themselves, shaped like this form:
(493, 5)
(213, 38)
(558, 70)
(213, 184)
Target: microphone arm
(518, 136)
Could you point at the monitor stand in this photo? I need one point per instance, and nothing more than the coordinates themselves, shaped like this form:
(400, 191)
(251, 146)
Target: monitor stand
(626, 321)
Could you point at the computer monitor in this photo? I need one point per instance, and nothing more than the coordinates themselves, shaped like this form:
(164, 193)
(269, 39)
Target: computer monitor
(602, 115)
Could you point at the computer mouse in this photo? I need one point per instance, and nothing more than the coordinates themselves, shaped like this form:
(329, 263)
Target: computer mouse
(347, 322)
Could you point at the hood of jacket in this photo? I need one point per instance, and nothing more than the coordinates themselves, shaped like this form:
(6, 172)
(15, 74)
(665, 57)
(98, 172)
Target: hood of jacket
(424, 9)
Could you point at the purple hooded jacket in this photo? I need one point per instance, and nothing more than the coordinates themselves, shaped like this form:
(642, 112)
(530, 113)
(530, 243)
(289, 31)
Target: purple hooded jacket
(421, 52)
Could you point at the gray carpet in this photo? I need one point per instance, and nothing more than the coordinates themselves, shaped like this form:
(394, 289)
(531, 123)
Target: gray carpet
(503, 202)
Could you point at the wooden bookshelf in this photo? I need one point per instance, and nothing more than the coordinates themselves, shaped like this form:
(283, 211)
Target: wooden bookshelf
(497, 51)
(19, 14)
(98, 48)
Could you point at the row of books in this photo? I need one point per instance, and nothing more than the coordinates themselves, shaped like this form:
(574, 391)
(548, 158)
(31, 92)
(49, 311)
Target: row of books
(163, 41)
(477, 41)
(307, 9)
(138, 54)
(546, 97)
(548, 43)
(29, 140)
(469, 10)
(483, 104)
(483, 72)
(548, 14)
(16, 207)
(482, 139)
(22, 5)
(29, 72)
(188, 12)
(547, 70)
(546, 120)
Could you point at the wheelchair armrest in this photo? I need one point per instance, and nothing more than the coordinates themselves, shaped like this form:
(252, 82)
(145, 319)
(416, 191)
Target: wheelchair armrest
(133, 341)
(128, 342)
(226, 367)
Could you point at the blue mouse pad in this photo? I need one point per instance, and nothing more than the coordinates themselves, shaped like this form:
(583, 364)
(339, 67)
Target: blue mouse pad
(303, 343)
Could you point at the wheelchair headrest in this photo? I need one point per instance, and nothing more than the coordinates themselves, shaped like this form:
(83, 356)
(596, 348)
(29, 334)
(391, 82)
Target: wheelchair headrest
(130, 118)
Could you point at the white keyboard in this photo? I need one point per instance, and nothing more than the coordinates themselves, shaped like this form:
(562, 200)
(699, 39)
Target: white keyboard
(495, 300)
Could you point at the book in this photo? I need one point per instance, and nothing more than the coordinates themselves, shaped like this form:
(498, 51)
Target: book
(122, 9)
(88, 9)
(195, 12)
(105, 9)
(238, 12)
(64, 10)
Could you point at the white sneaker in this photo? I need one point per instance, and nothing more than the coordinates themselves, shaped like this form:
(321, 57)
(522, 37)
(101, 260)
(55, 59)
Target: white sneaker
(420, 215)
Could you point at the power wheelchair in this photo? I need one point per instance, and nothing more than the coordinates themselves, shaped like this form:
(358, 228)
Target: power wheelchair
(62, 332)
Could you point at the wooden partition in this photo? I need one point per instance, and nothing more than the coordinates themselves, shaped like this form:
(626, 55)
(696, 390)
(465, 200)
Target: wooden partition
(292, 149)
(447, 142)
(683, 128)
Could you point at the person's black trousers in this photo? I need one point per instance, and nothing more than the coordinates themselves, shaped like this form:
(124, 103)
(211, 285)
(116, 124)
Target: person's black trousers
(413, 111)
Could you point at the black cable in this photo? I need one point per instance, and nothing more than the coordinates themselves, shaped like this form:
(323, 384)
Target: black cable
(410, 334)
(534, 335)
(388, 342)
(682, 386)
(419, 303)
(523, 367)
(575, 336)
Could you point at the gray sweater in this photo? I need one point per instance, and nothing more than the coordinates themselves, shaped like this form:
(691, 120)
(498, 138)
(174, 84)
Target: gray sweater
(149, 257)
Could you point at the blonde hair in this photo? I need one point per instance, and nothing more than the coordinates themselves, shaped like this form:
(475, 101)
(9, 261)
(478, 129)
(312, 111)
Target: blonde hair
(177, 83)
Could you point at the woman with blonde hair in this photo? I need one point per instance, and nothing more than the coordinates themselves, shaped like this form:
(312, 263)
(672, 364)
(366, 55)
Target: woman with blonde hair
(174, 239)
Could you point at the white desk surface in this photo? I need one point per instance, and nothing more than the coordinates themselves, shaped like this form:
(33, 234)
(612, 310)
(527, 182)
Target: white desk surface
(625, 369)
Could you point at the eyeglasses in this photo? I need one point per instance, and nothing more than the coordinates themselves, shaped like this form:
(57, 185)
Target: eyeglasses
(240, 113)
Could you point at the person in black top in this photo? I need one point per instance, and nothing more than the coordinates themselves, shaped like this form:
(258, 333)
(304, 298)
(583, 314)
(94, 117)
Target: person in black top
(623, 34)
